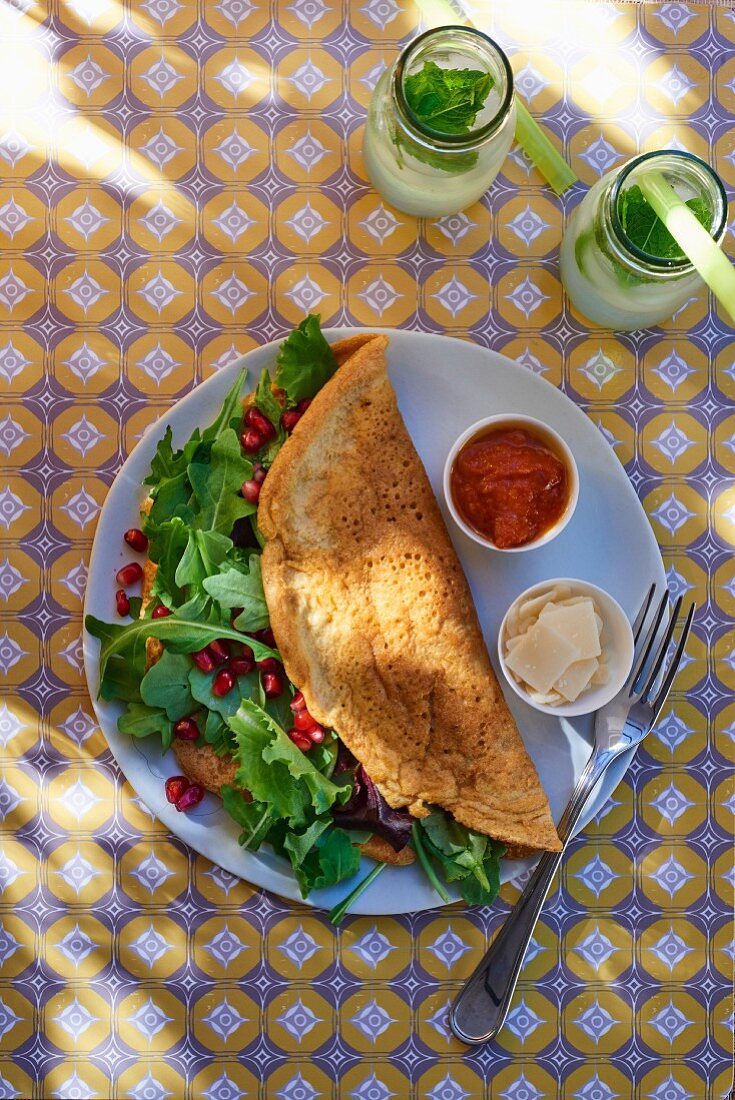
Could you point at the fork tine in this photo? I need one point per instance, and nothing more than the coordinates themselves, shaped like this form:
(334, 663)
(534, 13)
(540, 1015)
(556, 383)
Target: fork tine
(662, 652)
(660, 699)
(641, 616)
(648, 643)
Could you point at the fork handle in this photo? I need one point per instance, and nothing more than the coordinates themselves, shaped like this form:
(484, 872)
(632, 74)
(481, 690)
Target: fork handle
(479, 1011)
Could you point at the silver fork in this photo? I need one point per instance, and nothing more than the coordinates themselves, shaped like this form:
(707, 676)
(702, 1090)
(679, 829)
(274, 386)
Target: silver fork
(480, 1009)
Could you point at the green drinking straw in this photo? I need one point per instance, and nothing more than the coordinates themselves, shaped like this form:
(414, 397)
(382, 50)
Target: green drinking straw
(702, 251)
(529, 135)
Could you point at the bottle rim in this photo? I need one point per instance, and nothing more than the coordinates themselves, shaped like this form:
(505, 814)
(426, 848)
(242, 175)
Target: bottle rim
(716, 231)
(438, 137)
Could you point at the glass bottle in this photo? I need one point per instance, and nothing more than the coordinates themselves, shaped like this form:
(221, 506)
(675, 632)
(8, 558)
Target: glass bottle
(607, 276)
(421, 170)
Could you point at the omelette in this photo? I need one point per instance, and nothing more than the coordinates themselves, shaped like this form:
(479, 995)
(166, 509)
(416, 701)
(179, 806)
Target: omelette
(374, 619)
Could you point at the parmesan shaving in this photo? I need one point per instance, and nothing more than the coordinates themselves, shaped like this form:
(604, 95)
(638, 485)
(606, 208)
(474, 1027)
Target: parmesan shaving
(552, 646)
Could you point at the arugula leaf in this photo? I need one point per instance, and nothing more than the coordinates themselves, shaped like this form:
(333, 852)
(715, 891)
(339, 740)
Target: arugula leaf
(305, 362)
(122, 680)
(205, 551)
(298, 845)
(646, 230)
(276, 772)
(166, 685)
(447, 100)
(332, 859)
(227, 705)
(172, 498)
(166, 544)
(230, 412)
(218, 734)
(266, 401)
(140, 720)
(256, 818)
(231, 588)
(466, 857)
(217, 483)
(190, 628)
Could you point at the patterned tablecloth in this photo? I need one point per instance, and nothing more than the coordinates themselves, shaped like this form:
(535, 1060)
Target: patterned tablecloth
(178, 183)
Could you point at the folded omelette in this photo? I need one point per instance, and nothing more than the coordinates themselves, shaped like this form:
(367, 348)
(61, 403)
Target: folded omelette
(373, 615)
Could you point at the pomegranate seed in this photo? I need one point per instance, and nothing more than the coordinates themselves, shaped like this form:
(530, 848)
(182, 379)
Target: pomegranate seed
(175, 787)
(254, 418)
(290, 419)
(265, 636)
(316, 735)
(303, 720)
(219, 651)
(268, 664)
(129, 574)
(259, 473)
(272, 685)
(298, 702)
(224, 682)
(136, 540)
(251, 491)
(203, 660)
(247, 653)
(241, 666)
(161, 611)
(303, 405)
(191, 797)
(251, 441)
(122, 603)
(300, 740)
(186, 729)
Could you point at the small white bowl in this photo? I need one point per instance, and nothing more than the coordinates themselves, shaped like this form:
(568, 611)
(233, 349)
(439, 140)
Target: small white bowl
(534, 427)
(617, 648)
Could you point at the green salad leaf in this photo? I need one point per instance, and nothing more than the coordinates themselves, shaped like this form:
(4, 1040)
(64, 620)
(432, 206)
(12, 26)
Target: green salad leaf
(141, 720)
(234, 588)
(166, 685)
(447, 100)
(216, 484)
(189, 629)
(276, 772)
(464, 856)
(305, 361)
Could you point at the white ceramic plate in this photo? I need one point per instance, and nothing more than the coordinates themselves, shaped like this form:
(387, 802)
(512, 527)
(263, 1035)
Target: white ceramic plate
(443, 385)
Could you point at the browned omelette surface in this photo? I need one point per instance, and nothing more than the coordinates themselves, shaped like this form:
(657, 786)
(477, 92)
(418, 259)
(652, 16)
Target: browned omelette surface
(373, 616)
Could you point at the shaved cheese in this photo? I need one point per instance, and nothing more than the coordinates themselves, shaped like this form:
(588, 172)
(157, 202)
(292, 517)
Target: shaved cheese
(552, 646)
(576, 624)
(576, 678)
(532, 608)
(541, 657)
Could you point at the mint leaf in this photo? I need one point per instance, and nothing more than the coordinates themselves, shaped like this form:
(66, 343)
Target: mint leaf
(645, 229)
(305, 362)
(447, 100)
(166, 685)
(217, 483)
(232, 588)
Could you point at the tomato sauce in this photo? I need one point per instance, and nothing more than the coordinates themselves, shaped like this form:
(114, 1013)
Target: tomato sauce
(509, 485)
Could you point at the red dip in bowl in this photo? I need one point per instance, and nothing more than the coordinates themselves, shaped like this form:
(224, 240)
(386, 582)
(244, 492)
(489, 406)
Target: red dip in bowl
(510, 485)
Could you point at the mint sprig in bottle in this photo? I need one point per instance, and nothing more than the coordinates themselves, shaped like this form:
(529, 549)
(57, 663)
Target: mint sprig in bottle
(620, 266)
(440, 122)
